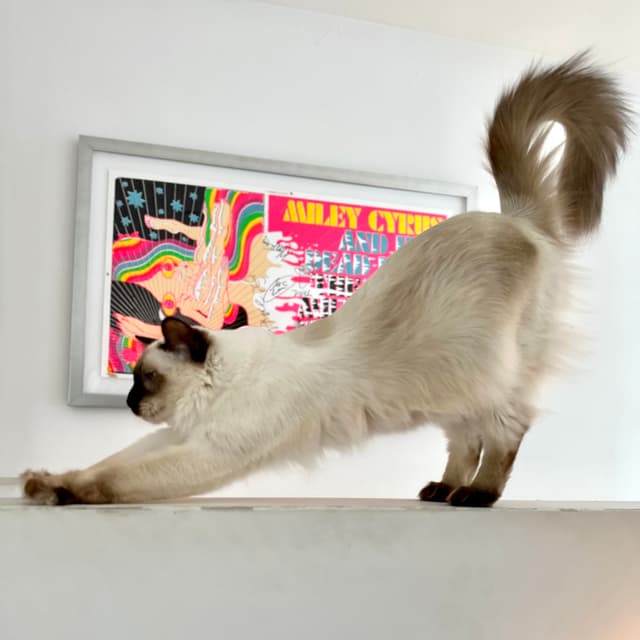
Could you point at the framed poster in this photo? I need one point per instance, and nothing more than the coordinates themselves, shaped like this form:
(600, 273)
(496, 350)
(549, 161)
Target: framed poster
(222, 242)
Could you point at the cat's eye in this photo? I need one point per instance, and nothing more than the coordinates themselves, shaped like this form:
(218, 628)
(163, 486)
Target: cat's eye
(150, 376)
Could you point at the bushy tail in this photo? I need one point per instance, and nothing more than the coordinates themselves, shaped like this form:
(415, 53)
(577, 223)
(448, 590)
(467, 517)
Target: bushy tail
(588, 103)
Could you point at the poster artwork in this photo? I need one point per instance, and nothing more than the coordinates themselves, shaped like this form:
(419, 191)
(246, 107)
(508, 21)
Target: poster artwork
(223, 259)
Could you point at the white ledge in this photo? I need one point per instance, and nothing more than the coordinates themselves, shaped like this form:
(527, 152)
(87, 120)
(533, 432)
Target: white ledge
(333, 504)
(314, 569)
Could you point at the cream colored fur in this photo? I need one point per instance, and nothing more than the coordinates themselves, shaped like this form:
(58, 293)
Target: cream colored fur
(460, 327)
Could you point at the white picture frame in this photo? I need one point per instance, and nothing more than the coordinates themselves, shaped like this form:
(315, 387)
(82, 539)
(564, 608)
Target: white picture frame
(101, 160)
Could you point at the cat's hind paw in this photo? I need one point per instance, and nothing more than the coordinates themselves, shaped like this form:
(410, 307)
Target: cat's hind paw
(435, 492)
(472, 497)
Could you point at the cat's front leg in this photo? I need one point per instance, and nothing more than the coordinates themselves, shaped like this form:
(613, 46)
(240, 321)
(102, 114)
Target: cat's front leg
(173, 472)
(42, 487)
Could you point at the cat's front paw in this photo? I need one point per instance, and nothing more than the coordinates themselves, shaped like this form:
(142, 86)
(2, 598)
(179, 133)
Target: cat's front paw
(44, 488)
(435, 492)
(472, 497)
(38, 488)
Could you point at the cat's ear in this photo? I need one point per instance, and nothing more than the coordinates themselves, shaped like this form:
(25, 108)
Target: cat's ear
(145, 340)
(182, 339)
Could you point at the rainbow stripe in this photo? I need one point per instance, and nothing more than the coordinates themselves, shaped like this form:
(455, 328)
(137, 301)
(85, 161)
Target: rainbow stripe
(248, 224)
(246, 212)
(231, 313)
(210, 196)
(148, 264)
(120, 347)
(127, 242)
(232, 199)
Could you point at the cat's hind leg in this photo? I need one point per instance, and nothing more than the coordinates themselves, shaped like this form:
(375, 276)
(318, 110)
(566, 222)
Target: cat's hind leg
(501, 432)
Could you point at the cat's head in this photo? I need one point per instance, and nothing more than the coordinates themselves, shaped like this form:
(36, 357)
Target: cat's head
(166, 369)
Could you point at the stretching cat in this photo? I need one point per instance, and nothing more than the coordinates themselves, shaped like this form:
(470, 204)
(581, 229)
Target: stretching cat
(459, 327)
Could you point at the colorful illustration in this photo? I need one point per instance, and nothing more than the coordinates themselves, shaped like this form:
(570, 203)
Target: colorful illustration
(326, 250)
(224, 259)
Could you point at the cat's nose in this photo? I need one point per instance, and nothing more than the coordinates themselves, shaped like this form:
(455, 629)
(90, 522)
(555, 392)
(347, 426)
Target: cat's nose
(133, 404)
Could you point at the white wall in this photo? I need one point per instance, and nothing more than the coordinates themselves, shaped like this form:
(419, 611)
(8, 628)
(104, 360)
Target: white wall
(609, 27)
(267, 81)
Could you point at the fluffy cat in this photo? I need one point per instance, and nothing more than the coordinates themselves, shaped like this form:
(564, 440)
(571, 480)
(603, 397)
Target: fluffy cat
(459, 327)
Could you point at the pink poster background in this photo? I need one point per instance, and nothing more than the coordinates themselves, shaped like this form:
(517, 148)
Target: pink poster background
(331, 248)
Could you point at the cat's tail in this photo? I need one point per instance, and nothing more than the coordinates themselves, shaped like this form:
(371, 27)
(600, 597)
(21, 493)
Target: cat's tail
(566, 200)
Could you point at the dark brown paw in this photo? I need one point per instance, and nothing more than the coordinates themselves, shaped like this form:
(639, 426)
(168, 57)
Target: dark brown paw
(472, 497)
(37, 487)
(65, 496)
(435, 492)
(41, 487)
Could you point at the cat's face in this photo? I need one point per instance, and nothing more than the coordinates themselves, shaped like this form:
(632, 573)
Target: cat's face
(165, 370)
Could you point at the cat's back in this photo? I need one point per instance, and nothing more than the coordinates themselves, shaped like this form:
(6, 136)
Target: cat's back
(450, 301)
(472, 259)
